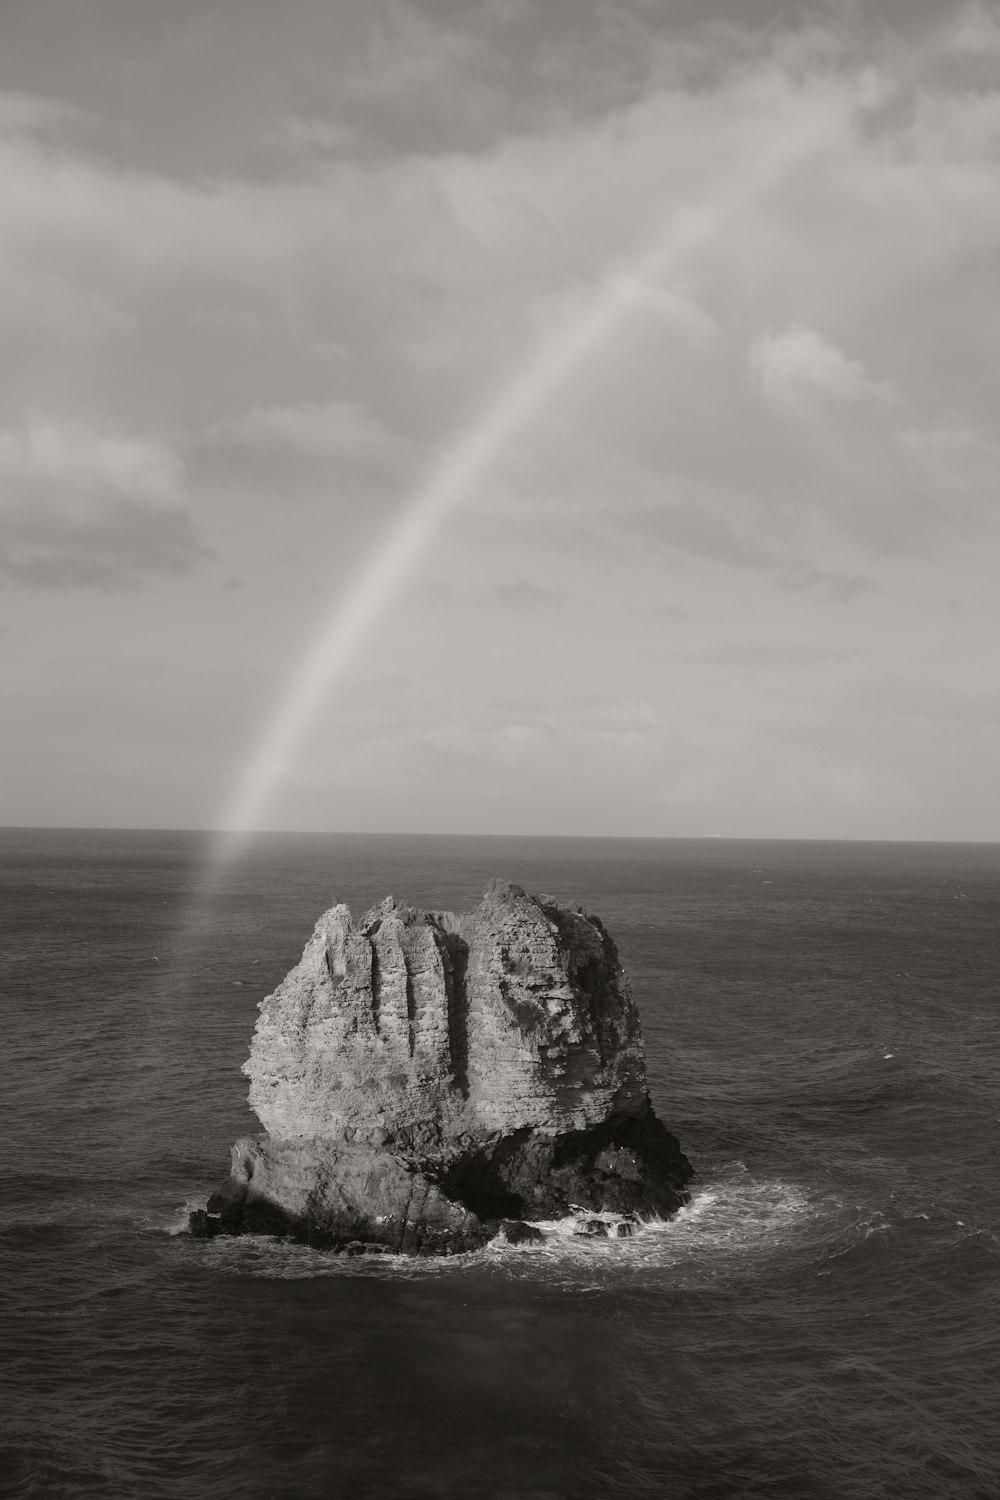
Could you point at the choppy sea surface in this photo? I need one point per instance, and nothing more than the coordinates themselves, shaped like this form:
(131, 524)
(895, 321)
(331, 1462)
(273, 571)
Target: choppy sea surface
(822, 1028)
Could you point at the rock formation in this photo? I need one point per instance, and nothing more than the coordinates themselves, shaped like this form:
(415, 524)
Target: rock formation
(428, 1080)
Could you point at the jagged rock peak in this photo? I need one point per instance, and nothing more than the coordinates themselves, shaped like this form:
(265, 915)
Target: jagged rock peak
(502, 890)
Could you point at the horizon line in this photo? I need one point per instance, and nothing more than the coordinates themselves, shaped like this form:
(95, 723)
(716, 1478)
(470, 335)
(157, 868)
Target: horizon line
(689, 838)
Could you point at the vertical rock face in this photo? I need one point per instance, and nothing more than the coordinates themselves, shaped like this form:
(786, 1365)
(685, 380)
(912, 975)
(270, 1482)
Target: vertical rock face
(422, 1076)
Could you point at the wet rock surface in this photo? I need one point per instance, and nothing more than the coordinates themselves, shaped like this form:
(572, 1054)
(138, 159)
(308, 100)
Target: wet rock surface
(425, 1078)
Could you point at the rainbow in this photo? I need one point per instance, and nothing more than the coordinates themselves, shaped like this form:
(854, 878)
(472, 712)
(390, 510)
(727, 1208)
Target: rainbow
(351, 616)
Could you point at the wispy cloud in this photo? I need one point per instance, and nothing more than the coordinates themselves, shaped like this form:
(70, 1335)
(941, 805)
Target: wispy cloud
(33, 114)
(524, 594)
(407, 52)
(678, 311)
(311, 429)
(956, 461)
(313, 134)
(50, 301)
(113, 550)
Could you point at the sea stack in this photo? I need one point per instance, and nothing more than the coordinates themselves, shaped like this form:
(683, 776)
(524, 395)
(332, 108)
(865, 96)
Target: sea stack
(428, 1081)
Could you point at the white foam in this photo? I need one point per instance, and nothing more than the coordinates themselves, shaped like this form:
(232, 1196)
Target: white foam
(178, 1222)
(736, 1217)
(734, 1222)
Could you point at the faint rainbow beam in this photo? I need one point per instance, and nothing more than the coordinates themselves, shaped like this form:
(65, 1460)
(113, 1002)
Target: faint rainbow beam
(351, 616)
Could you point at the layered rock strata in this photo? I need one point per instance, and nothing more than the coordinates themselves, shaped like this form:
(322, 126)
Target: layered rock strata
(427, 1080)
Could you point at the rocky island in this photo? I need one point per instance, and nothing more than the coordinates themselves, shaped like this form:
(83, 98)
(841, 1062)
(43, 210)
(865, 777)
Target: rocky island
(427, 1081)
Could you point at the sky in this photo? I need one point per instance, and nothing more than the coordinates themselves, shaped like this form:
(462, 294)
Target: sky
(707, 291)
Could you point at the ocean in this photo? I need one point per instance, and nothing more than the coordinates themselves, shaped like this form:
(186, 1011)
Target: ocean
(822, 1026)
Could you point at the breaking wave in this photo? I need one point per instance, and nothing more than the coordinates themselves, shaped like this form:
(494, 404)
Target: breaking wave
(737, 1217)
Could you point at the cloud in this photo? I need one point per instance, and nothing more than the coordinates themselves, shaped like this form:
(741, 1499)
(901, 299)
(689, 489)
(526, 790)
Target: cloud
(466, 254)
(790, 366)
(70, 464)
(975, 32)
(520, 595)
(839, 587)
(312, 429)
(454, 246)
(112, 550)
(90, 506)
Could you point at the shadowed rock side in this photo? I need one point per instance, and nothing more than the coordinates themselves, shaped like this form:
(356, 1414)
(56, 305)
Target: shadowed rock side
(427, 1080)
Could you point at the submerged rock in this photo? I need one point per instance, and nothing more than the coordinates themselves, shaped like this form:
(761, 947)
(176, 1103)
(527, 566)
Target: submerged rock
(517, 1232)
(592, 1229)
(607, 1228)
(423, 1076)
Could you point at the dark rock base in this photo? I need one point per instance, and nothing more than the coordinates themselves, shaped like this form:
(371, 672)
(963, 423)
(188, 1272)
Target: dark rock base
(627, 1164)
(348, 1236)
(630, 1165)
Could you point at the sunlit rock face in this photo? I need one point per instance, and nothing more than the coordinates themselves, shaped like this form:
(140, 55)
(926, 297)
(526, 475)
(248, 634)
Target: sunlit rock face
(424, 1076)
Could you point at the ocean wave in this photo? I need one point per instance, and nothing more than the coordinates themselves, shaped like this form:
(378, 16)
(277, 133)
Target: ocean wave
(178, 1221)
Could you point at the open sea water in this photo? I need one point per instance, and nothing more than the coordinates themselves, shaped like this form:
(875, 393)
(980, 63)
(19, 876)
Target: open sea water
(822, 1025)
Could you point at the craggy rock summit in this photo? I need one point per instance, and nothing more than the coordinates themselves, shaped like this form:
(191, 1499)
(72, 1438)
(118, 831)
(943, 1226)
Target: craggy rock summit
(427, 1081)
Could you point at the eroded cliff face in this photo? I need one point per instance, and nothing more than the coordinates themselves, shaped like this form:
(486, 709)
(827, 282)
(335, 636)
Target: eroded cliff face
(414, 1027)
(423, 1076)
